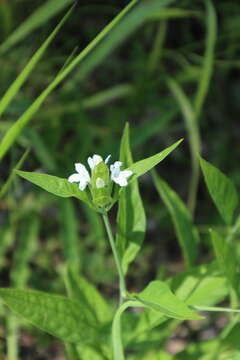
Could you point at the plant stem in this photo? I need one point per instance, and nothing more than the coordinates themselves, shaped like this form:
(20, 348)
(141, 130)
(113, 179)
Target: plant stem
(122, 284)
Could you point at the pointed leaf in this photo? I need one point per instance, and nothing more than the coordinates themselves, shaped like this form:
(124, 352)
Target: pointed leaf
(141, 167)
(22, 77)
(185, 231)
(55, 185)
(221, 189)
(131, 218)
(57, 315)
(158, 296)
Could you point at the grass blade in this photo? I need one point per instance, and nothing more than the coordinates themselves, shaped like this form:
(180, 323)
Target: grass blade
(118, 33)
(208, 61)
(193, 135)
(35, 20)
(12, 91)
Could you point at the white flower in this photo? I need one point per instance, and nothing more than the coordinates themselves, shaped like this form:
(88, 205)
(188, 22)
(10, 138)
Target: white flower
(95, 160)
(118, 176)
(100, 183)
(82, 176)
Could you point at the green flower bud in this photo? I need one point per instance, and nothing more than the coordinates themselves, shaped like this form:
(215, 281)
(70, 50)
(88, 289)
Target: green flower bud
(101, 185)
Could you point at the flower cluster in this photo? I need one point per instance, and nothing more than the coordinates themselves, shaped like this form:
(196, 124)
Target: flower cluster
(83, 177)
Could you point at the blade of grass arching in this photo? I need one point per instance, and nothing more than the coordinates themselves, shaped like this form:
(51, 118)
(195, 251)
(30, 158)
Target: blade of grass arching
(208, 62)
(11, 177)
(13, 89)
(173, 13)
(194, 138)
(70, 237)
(35, 20)
(119, 30)
(156, 53)
(19, 275)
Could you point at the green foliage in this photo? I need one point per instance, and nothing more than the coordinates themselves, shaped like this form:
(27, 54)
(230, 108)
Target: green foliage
(55, 185)
(158, 296)
(57, 315)
(121, 73)
(221, 189)
(226, 257)
(131, 218)
(141, 167)
(186, 233)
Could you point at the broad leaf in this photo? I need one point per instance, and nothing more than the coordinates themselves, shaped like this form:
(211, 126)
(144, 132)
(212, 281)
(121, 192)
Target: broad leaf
(141, 167)
(55, 185)
(81, 289)
(57, 315)
(131, 219)
(226, 256)
(186, 233)
(158, 296)
(221, 189)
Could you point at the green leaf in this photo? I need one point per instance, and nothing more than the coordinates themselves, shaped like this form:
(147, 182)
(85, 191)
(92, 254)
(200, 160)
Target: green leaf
(40, 16)
(221, 189)
(55, 185)
(82, 290)
(202, 285)
(125, 23)
(141, 167)
(186, 233)
(16, 85)
(208, 59)
(226, 256)
(131, 218)
(11, 177)
(57, 315)
(158, 296)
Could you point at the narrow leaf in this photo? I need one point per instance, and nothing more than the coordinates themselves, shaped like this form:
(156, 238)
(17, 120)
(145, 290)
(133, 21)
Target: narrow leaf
(186, 233)
(102, 46)
(221, 189)
(158, 296)
(55, 185)
(57, 315)
(131, 218)
(43, 13)
(16, 85)
(141, 167)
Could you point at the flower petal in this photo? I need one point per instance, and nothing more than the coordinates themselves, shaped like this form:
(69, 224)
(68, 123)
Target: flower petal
(97, 159)
(80, 168)
(82, 185)
(107, 159)
(100, 183)
(74, 178)
(126, 173)
(90, 163)
(120, 180)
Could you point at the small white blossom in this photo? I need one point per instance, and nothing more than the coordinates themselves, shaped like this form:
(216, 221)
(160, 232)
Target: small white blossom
(118, 176)
(95, 160)
(82, 176)
(100, 183)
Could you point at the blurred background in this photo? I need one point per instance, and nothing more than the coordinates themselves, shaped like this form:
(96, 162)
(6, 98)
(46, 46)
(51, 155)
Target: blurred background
(149, 81)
